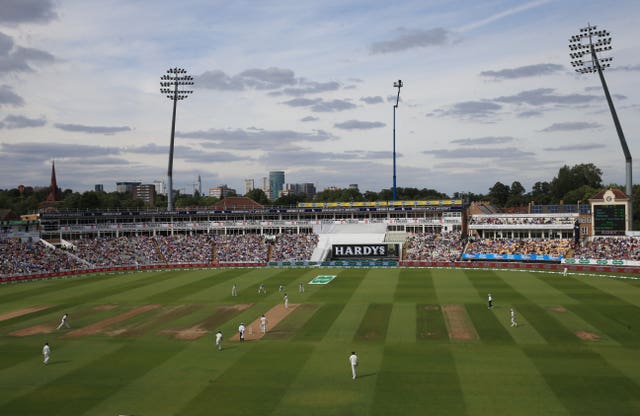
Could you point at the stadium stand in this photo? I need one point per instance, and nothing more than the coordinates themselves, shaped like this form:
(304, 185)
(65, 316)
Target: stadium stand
(541, 247)
(617, 248)
(446, 246)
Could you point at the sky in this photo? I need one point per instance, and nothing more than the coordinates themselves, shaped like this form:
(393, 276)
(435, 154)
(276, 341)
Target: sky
(307, 87)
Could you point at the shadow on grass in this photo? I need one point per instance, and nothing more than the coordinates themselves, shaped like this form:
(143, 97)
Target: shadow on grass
(58, 362)
(229, 348)
(367, 375)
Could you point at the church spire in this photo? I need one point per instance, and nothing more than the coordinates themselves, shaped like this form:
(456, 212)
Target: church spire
(54, 191)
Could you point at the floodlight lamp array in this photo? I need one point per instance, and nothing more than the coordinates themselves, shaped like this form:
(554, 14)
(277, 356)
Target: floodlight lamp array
(597, 41)
(170, 84)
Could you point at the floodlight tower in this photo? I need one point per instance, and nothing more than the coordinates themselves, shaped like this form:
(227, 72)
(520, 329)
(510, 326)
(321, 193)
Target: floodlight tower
(398, 85)
(589, 42)
(171, 84)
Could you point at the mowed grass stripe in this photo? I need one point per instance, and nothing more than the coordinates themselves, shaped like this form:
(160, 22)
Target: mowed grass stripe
(16, 352)
(584, 382)
(615, 314)
(546, 325)
(493, 376)
(430, 324)
(324, 385)
(585, 293)
(418, 380)
(79, 390)
(19, 321)
(128, 282)
(228, 393)
(174, 295)
(292, 325)
(487, 281)
(374, 324)
(415, 286)
(402, 323)
(14, 292)
(159, 320)
(340, 289)
(318, 325)
(487, 325)
(28, 375)
(617, 322)
(285, 277)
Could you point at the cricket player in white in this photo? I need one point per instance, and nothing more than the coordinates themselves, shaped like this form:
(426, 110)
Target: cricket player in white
(490, 300)
(64, 322)
(241, 329)
(353, 360)
(564, 272)
(262, 290)
(513, 318)
(46, 352)
(286, 301)
(263, 324)
(234, 290)
(301, 288)
(219, 340)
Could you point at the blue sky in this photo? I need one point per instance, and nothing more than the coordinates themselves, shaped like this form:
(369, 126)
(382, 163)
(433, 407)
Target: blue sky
(307, 87)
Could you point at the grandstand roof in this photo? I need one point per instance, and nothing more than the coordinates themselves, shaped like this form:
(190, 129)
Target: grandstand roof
(617, 193)
(237, 202)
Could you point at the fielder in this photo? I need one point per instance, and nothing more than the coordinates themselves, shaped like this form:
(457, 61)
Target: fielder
(513, 318)
(241, 330)
(64, 322)
(564, 272)
(46, 352)
(262, 290)
(301, 288)
(219, 340)
(286, 301)
(263, 324)
(234, 290)
(353, 360)
(490, 301)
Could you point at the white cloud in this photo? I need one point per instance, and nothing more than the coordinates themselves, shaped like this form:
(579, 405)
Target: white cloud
(295, 86)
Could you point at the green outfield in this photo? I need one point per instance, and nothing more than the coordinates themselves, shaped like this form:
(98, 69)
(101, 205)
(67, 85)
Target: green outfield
(143, 344)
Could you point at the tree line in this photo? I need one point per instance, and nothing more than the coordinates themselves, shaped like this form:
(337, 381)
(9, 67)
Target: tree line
(571, 185)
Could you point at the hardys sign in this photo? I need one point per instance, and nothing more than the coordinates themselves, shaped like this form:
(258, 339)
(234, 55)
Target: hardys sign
(341, 251)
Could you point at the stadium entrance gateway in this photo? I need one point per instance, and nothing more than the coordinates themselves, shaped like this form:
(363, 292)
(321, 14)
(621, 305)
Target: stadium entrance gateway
(322, 279)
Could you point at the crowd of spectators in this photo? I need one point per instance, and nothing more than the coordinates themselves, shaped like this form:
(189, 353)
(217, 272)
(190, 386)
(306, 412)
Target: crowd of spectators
(509, 220)
(606, 248)
(27, 257)
(290, 247)
(183, 248)
(446, 246)
(18, 258)
(554, 248)
(240, 248)
(117, 251)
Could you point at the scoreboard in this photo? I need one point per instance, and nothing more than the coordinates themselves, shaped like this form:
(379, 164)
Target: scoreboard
(609, 219)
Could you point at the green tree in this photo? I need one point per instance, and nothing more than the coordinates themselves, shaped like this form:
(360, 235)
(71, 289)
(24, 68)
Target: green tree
(258, 195)
(516, 195)
(469, 196)
(581, 194)
(499, 194)
(290, 200)
(370, 196)
(540, 193)
(572, 178)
